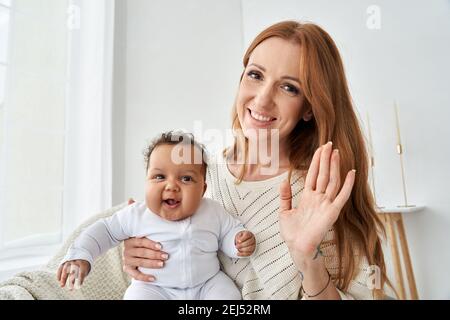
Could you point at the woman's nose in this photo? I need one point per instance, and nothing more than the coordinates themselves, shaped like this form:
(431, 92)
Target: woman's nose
(264, 96)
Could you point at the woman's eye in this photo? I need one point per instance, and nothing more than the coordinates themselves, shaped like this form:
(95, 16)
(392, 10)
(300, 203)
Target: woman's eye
(186, 178)
(254, 75)
(290, 89)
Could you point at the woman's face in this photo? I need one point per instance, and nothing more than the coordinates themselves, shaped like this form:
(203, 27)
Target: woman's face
(269, 94)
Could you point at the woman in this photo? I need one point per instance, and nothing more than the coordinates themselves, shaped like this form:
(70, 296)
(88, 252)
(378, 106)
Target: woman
(293, 95)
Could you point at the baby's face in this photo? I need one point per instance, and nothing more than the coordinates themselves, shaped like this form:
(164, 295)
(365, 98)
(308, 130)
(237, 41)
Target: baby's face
(173, 191)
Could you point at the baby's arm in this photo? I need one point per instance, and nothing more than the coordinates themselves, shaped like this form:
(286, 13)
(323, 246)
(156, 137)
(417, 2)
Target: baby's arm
(230, 229)
(93, 242)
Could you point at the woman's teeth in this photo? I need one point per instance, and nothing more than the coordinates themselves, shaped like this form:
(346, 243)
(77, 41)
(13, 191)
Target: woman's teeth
(259, 117)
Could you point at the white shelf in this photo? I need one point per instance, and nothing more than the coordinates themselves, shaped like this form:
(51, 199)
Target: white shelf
(400, 209)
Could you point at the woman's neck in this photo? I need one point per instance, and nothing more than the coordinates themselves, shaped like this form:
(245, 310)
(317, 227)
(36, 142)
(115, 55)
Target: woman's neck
(256, 171)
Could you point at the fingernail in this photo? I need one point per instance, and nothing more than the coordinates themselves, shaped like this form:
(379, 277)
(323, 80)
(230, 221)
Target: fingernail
(330, 143)
(151, 278)
(165, 256)
(158, 246)
(354, 170)
(160, 264)
(336, 150)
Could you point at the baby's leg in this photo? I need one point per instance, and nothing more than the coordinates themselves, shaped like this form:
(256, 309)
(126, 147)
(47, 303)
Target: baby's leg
(145, 291)
(220, 287)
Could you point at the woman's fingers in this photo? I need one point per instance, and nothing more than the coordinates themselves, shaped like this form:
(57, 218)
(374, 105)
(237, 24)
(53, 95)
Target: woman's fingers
(142, 253)
(324, 168)
(285, 196)
(143, 248)
(335, 176)
(144, 263)
(346, 190)
(142, 242)
(137, 275)
(313, 171)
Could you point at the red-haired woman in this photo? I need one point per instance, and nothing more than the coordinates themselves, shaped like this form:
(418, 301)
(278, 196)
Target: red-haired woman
(308, 202)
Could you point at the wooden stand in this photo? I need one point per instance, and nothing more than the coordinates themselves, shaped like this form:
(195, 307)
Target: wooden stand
(392, 218)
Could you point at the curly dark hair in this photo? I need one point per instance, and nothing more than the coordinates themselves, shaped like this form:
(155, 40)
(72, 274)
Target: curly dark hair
(174, 138)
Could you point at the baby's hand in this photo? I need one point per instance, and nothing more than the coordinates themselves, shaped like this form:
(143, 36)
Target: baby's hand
(74, 270)
(245, 243)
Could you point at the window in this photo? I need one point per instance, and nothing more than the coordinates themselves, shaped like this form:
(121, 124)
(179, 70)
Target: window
(5, 8)
(33, 62)
(55, 123)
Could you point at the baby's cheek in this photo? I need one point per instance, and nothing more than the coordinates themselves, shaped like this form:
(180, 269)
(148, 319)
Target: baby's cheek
(153, 202)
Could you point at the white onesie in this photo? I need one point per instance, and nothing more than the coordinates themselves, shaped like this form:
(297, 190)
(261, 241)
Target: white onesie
(192, 270)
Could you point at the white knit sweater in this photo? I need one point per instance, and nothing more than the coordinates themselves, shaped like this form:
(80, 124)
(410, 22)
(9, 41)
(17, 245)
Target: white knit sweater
(270, 273)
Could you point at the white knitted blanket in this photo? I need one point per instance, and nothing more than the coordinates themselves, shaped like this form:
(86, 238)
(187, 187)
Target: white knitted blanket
(106, 281)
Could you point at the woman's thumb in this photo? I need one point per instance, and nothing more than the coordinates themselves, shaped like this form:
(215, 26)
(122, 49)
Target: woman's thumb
(285, 196)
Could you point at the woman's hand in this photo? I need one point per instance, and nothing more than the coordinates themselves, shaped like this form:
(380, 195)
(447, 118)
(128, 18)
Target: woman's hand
(303, 228)
(142, 252)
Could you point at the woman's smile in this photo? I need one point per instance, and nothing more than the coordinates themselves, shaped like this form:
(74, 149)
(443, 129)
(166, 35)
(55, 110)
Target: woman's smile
(258, 119)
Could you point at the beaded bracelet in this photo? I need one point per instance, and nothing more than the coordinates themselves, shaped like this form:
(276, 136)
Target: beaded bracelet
(315, 295)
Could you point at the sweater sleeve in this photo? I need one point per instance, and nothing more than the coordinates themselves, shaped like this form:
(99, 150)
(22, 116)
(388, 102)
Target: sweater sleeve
(343, 295)
(359, 287)
(99, 237)
(356, 291)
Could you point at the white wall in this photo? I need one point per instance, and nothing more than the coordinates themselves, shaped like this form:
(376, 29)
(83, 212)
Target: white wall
(407, 60)
(176, 62)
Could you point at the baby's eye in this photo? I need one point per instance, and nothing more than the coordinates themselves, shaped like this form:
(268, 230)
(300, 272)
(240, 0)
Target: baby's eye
(187, 179)
(290, 89)
(158, 177)
(254, 75)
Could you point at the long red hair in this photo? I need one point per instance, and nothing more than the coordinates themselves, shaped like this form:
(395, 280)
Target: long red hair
(324, 85)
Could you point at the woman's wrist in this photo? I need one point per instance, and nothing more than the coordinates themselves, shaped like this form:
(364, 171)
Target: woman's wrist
(316, 280)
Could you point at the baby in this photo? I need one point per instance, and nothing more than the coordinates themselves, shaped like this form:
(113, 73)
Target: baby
(190, 228)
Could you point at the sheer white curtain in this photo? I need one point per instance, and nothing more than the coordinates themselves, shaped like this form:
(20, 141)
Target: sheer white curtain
(89, 92)
(55, 148)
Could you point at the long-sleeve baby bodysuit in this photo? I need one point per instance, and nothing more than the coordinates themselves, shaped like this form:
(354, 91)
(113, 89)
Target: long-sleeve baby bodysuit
(191, 243)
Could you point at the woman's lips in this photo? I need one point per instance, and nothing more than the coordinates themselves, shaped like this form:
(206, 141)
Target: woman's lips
(259, 120)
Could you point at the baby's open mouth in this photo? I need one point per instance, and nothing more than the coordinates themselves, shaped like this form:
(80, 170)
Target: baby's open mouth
(172, 203)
